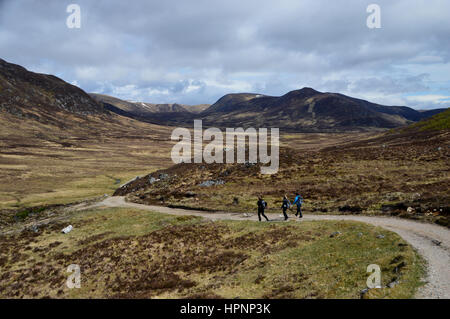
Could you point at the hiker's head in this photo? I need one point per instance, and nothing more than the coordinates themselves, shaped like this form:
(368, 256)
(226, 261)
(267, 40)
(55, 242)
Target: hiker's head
(285, 197)
(260, 197)
(296, 194)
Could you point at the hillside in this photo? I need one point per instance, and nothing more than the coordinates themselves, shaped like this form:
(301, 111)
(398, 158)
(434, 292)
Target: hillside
(40, 96)
(58, 145)
(308, 110)
(439, 121)
(373, 176)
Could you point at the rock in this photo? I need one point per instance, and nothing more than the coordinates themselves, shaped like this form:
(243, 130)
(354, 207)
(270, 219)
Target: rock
(163, 176)
(34, 229)
(380, 236)
(67, 230)
(247, 215)
(212, 183)
(337, 233)
(153, 180)
(128, 183)
(415, 196)
(363, 292)
(360, 235)
(410, 210)
(248, 164)
(436, 242)
(399, 267)
(389, 208)
(190, 194)
(352, 209)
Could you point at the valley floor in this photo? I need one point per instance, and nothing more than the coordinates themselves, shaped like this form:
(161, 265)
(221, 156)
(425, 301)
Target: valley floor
(143, 251)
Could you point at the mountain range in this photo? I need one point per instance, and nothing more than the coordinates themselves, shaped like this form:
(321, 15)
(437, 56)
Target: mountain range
(304, 110)
(309, 110)
(45, 97)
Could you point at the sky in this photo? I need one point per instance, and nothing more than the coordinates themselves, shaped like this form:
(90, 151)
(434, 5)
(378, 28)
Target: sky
(195, 51)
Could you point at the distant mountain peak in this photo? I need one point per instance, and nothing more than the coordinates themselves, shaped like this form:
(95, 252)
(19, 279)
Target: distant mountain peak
(304, 92)
(307, 110)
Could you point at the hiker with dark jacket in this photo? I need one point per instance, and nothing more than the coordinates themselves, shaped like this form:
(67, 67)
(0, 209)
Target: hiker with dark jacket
(261, 206)
(286, 204)
(298, 201)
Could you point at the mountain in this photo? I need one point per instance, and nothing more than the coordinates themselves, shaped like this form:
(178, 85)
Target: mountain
(308, 110)
(46, 98)
(437, 122)
(41, 96)
(148, 112)
(46, 121)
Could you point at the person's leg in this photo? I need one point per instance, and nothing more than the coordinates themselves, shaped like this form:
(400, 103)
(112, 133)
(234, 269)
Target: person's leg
(285, 215)
(296, 213)
(264, 216)
(299, 208)
(259, 215)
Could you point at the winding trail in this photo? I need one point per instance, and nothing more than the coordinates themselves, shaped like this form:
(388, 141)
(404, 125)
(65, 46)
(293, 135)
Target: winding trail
(419, 235)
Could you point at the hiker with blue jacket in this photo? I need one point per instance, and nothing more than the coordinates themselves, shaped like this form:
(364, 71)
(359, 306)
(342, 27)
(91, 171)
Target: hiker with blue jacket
(286, 204)
(298, 201)
(261, 207)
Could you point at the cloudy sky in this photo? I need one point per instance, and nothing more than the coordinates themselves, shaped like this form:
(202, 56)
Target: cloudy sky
(195, 51)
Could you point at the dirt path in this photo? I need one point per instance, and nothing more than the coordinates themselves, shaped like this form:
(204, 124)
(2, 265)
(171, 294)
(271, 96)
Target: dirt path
(419, 235)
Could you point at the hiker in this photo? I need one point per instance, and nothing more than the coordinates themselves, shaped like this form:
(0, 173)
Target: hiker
(261, 206)
(298, 201)
(286, 204)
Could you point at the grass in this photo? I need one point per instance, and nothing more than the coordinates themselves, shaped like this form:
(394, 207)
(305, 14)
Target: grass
(140, 254)
(437, 122)
(44, 165)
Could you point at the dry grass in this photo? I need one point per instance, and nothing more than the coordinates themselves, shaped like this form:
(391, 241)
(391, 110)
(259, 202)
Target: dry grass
(42, 165)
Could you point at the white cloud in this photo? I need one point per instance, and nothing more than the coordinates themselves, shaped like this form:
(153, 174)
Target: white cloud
(430, 98)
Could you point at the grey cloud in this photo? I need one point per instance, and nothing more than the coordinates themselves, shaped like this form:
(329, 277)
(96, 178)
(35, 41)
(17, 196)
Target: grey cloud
(195, 51)
(389, 85)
